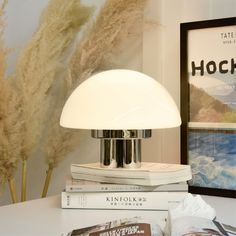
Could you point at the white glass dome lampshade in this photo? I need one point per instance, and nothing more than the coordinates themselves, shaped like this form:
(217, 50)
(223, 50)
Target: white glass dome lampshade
(120, 107)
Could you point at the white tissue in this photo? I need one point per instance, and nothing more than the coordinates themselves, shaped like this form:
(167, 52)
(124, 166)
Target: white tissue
(189, 206)
(193, 206)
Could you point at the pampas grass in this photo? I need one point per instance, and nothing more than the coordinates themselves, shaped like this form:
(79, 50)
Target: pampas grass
(10, 120)
(112, 26)
(3, 50)
(41, 63)
(60, 146)
(10, 133)
(40, 69)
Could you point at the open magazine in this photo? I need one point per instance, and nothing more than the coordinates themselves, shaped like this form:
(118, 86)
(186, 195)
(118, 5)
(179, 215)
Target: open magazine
(183, 226)
(121, 227)
(125, 226)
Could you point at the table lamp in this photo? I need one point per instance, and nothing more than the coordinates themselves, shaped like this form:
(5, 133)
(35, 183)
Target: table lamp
(120, 107)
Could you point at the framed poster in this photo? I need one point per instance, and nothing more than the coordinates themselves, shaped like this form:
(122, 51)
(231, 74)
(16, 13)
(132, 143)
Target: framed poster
(208, 105)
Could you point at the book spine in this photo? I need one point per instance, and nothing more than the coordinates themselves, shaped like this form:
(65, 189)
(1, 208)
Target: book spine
(122, 200)
(181, 187)
(103, 188)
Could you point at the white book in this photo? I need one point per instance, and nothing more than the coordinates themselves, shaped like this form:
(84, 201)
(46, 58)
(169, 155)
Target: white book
(122, 200)
(148, 174)
(78, 185)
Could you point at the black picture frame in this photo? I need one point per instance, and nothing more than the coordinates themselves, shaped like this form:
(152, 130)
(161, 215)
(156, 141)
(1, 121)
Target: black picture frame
(195, 39)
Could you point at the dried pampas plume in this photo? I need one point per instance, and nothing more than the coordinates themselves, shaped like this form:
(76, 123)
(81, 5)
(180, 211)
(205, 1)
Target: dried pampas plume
(42, 62)
(112, 26)
(10, 120)
(10, 133)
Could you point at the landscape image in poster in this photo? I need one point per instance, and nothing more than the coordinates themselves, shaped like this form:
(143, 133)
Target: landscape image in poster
(212, 156)
(212, 99)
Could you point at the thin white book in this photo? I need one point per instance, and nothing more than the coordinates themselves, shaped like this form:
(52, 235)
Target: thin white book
(78, 185)
(122, 200)
(148, 174)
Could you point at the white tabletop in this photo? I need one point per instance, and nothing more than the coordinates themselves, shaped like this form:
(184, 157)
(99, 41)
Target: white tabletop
(44, 217)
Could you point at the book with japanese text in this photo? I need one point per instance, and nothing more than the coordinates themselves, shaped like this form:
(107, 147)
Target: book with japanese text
(122, 200)
(77, 185)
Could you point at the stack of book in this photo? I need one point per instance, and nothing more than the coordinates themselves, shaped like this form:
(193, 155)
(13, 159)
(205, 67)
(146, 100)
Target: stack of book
(154, 186)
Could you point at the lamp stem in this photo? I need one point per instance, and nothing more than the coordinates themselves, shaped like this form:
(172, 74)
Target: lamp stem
(120, 153)
(120, 148)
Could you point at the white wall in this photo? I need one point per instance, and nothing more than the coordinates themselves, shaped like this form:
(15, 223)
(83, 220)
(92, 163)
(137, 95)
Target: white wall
(159, 58)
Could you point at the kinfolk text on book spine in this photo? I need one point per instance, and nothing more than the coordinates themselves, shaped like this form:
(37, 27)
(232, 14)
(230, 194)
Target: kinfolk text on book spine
(122, 200)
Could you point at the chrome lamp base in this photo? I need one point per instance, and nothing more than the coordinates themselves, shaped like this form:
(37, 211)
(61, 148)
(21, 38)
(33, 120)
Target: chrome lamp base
(120, 148)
